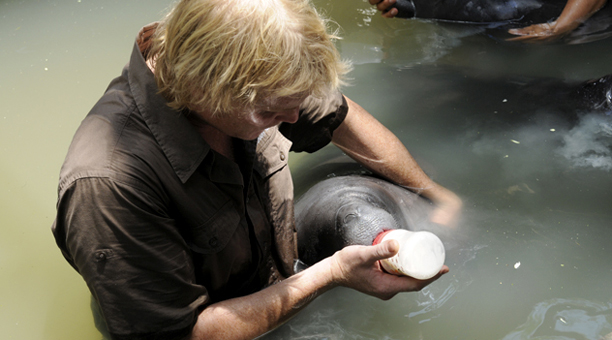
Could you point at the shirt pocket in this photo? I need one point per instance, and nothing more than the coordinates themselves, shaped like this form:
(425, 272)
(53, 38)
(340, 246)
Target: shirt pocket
(272, 153)
(214, 235)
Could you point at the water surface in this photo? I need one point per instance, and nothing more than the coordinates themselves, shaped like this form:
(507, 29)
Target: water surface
(530, 259)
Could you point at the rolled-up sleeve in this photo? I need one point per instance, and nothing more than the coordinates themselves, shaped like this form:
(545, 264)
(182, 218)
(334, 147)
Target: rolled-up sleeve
(319, 117)
(132, 257)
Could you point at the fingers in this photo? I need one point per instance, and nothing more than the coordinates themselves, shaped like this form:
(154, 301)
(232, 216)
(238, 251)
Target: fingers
(535, 30)
(384, 250)
(448, 206)
(390, 13)
(398, 284)
(534, 38)
(357, 267)
(444, 218)
(385, 7)
(359, 262)
(527, 38)
(401, 283)
(447, 213)
(536, 33)
(420, 284)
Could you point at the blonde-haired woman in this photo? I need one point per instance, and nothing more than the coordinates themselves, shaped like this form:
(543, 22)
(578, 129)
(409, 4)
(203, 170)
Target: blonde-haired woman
(176, 200)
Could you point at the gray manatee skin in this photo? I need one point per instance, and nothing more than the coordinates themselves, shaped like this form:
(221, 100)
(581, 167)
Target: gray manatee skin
(353, 210)
(596, 95)
(570, 99)
(504, 14)
(481, 11)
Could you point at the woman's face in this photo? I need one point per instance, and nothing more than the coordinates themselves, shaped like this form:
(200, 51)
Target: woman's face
(249, 123)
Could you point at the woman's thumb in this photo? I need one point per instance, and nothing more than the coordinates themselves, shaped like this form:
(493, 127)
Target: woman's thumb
(385, 250)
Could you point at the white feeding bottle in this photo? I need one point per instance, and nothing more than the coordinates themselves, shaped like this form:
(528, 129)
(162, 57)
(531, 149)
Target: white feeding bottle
(421, 254)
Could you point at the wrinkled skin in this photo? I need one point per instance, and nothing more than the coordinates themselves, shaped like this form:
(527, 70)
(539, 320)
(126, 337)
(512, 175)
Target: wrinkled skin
(353, 210)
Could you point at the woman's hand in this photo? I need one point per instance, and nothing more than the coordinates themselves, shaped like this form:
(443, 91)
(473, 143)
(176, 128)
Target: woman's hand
(357, 267)
(447, 205)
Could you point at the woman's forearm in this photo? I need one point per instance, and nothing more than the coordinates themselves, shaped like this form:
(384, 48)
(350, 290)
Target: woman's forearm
(253, 315)
(366, 140)
(354, 267)
(369, 142)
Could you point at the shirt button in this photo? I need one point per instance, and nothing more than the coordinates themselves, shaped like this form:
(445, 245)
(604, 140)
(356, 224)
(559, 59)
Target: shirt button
(282, 156)
(213, 242)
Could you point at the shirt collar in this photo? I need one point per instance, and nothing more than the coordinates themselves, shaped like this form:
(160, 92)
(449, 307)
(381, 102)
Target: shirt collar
(183, 146)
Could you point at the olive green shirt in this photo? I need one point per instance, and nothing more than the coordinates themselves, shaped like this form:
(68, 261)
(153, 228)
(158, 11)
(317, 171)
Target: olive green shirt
(160, 225)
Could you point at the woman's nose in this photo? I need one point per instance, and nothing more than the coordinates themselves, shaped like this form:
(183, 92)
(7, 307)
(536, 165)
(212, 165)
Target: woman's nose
(289, 116)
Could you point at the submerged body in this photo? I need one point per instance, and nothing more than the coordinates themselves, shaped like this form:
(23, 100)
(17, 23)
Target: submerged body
(595, 95)
(570, 99)
(353, 210)
(577, 21)
(481, 11)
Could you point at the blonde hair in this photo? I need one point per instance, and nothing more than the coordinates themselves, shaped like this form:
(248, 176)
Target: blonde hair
(222, 55)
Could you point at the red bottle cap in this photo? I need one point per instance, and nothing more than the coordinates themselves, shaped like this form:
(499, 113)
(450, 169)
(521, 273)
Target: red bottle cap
(380, 236)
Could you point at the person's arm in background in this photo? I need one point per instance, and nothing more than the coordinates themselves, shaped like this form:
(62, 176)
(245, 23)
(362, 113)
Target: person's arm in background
(354, 267)
(574, 13)
(370, 143)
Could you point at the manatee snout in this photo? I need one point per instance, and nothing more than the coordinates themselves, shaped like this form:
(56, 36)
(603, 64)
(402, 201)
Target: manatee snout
(359, 223)
(352, 210)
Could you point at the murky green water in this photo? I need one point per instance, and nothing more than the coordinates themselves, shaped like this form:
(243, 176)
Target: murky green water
(530, 260)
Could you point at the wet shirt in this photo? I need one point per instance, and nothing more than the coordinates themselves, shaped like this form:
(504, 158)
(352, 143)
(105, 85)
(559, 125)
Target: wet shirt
(160, 225)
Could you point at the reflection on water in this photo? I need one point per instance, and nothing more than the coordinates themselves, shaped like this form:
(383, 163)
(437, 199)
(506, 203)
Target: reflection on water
(589, 144)
(487, 118)
(566, 319)
(57, 57)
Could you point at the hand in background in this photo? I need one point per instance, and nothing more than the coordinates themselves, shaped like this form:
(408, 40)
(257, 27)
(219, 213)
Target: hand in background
(383, 6)
(542, 32)
(574, 13)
